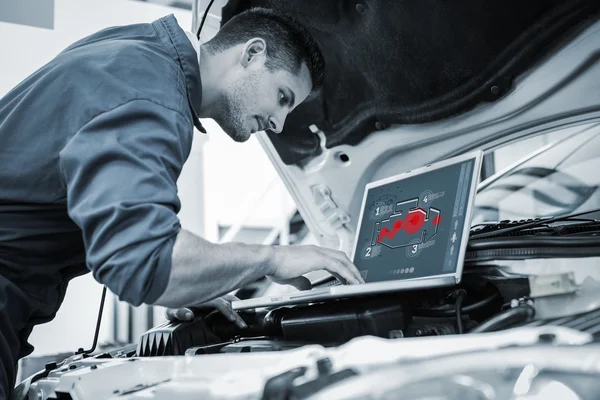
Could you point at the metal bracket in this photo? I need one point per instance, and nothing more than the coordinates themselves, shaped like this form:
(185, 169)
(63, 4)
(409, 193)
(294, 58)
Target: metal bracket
(333, 215)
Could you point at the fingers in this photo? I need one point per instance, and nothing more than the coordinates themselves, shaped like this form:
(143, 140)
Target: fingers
(339, 278)
(300, 282)
(230, 298)
(352, 268)
(336, 267)
(303, 259)
(179, 314)
(223, 304)
(344, 266)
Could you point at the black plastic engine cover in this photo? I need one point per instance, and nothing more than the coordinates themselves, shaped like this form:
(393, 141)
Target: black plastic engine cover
(174, 338)
(340, 321)
(287, 327)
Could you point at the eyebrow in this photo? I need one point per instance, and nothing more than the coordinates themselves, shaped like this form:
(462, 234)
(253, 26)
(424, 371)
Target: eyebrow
(291, 96)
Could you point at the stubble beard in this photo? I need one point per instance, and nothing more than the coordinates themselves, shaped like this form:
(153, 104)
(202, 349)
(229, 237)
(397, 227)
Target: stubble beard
(232, 115)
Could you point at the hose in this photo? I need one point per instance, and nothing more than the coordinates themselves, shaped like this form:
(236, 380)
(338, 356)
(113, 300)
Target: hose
(506, 319)
(459, 301)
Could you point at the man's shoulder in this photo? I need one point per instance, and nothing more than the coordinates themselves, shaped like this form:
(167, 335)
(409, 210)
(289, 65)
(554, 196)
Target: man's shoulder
(125, 63)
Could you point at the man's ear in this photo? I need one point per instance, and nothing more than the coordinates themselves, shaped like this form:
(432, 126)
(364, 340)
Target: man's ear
(254, 50)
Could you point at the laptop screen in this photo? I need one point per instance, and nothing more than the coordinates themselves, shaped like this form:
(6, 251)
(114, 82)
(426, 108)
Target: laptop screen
(412, 227)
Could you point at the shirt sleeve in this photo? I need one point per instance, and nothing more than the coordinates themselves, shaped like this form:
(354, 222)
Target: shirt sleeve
(120, 172)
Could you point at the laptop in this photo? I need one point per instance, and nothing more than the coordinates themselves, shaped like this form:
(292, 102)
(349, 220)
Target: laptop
(412, 234)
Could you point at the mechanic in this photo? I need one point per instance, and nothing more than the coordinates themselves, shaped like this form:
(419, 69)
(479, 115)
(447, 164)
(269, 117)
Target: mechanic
(92, 144)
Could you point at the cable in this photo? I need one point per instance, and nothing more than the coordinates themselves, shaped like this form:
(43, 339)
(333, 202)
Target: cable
(504, 231)
(81, 350)
(425, 312)
(594, 232)
(534, 241)
(460, 297)
(506, 319)
(204, 18)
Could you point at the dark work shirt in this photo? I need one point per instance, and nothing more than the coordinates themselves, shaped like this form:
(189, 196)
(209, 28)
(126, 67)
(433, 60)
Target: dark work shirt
(91, 146)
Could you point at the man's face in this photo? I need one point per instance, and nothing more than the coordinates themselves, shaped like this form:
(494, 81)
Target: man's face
(256, 98)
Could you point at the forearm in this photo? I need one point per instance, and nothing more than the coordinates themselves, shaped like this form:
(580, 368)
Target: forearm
(202, 270)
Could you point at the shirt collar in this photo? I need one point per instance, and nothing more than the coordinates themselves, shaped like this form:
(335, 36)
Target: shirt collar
(185, 54)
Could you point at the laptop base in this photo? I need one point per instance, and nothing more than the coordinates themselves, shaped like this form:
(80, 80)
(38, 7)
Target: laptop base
(344, 291)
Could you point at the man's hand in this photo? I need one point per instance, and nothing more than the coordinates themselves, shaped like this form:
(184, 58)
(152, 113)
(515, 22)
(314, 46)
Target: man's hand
(201, 270)
(291, 262)
(223, 304)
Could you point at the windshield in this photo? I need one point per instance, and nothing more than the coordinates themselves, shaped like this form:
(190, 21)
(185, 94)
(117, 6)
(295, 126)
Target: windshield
(562, 179)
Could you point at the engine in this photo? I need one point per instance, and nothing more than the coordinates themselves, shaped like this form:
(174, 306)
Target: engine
(481, 340)
(528, 315)
(492, 298)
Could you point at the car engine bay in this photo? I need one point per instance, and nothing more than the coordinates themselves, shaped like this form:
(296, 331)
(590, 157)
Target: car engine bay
(531, 282)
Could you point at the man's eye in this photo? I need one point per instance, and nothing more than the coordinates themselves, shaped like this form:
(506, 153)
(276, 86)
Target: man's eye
(283, 99)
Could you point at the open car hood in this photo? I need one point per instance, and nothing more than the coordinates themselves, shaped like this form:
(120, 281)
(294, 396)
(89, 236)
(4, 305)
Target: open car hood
(413, 82)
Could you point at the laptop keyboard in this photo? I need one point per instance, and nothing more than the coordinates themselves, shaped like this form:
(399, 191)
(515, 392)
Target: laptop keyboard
(328, 283)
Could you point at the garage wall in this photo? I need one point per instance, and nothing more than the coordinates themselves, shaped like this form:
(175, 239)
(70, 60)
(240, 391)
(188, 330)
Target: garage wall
(20, 12)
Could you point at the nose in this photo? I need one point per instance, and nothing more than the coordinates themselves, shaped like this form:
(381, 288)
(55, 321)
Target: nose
(276, 121)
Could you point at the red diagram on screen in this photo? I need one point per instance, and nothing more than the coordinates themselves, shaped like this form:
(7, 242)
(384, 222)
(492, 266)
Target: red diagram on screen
(409, 221)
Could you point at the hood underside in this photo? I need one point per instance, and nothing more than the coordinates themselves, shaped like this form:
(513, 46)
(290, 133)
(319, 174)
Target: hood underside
(412, 62)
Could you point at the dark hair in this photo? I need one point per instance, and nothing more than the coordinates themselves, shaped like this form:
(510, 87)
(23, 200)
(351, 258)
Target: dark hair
(289, 44)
